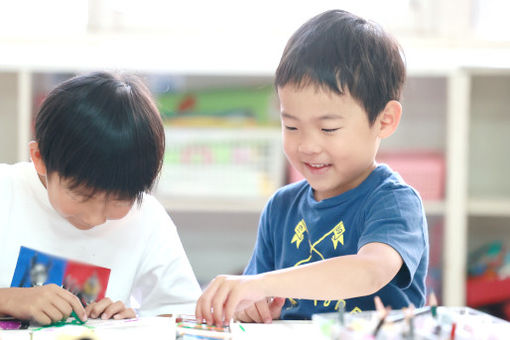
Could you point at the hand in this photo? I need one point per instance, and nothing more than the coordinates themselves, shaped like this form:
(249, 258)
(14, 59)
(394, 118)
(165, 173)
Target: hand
(227, 294)
(43, 304)
(265, 310)
(107, 309)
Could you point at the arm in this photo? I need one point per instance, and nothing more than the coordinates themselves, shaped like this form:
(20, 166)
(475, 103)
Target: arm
(337, 278)
(341, 277)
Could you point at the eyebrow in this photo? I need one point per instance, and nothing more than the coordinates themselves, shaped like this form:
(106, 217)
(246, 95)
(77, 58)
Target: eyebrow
(328, 116)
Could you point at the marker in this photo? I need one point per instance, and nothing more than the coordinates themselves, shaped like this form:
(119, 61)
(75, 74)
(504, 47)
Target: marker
(452, 334)
(379, 307)
(411, 321)
(381, 322)
(433, 304)
(9, 323)
(341, 312)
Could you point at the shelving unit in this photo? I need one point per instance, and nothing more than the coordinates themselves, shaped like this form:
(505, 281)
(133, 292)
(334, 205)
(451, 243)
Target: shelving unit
(450, 106)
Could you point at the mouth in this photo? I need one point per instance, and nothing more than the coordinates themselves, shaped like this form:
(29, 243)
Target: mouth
(317, 166)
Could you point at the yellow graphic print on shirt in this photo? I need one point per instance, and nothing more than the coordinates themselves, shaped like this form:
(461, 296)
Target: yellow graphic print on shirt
(337, 233)
(299, 235)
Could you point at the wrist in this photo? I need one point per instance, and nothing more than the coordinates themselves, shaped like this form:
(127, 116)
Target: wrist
(266, 283)
(5, 301)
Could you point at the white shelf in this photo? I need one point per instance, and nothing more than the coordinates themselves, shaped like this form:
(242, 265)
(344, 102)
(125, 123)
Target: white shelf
(489, 207)
(212, 204)
(180, 55)
(434, 208)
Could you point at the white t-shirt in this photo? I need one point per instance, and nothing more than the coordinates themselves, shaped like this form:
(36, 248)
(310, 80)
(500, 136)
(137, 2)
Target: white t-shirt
(142, 250)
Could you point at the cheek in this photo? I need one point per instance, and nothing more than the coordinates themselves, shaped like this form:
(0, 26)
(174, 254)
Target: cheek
(64, 207)
(59, 201)
(116, 213)
(289, 145)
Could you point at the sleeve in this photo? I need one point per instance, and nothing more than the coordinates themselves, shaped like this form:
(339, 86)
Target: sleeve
(165, 282)
(396, 217)
(262, 259)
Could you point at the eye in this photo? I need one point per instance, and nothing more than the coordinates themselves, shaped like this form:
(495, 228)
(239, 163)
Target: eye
(330, 130)
(76, 197)
(290, 128)
(123, 203)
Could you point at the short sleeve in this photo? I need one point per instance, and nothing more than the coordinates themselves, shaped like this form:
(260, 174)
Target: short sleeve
(165, 281)
(262, 259)
(395, 217)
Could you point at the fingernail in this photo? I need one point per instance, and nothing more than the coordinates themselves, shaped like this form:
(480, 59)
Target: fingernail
(104, 317)
(116, 316)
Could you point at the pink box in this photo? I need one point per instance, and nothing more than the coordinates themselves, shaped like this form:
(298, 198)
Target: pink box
(423, 170)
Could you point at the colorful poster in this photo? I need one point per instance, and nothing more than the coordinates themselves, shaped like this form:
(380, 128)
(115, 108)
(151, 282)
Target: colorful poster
(34, 268)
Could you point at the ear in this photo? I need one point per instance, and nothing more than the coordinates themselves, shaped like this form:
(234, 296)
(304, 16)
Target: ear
(389, 118)
(35, 155)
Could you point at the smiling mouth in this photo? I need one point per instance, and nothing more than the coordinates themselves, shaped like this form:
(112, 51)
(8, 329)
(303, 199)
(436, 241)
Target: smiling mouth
(317, 166)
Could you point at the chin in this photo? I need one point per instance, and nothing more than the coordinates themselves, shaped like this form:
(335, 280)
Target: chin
(81, 226)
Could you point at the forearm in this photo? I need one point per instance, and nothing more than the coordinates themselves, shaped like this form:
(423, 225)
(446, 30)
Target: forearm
(331, 279)
(5, 301)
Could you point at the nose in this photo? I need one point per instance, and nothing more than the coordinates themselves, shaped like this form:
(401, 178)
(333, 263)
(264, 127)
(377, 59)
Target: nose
(93, 219)
(309, 146)
(95, 215)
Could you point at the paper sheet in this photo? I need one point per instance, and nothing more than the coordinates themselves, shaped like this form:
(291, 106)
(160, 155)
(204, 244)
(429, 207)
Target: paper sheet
(276, 330)
(157, 328)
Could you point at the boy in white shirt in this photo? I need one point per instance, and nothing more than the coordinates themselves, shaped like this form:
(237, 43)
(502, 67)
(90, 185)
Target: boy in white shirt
(98, 149)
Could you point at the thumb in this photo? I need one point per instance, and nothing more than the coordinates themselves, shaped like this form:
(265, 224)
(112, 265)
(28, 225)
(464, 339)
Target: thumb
(276, 307)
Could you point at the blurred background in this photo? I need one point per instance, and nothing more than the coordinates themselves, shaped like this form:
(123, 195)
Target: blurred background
(210, 66)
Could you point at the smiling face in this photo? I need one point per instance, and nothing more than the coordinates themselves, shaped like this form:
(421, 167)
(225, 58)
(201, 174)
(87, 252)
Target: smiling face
(328, 139)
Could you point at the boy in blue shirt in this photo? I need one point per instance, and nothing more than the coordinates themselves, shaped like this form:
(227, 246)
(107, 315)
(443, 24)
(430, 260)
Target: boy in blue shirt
(353, 229)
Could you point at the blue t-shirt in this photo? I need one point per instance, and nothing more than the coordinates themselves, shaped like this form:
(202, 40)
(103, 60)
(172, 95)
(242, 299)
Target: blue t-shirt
(295, 229)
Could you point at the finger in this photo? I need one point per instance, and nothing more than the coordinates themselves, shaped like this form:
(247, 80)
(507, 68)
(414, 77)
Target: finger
(242, 316)
(127, 313)
(98, 308)
(74, 302)
(41, 318)
(253, 314)
(203, 309)
(63, 306)
(53, 313)
(263, 310)
(232, 304)
(89, 308)
(112, 309)
(218, 302)
(276, 307)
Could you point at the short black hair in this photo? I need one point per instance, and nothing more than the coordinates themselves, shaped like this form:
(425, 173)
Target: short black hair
(336, 50)
(102, 132)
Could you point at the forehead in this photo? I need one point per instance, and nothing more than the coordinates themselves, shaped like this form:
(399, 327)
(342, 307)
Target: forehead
(317, 101)
(84, 191)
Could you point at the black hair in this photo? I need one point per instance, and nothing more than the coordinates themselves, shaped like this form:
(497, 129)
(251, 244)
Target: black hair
(103, 133)
(336, 50)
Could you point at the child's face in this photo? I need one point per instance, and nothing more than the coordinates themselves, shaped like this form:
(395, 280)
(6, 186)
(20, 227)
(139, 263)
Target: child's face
(327, 138)
(81, 211)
